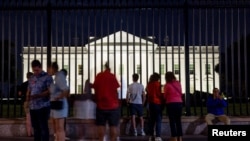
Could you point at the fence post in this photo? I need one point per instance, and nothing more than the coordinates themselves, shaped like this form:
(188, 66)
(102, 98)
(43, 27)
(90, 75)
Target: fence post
(49, 12)
(186, 46)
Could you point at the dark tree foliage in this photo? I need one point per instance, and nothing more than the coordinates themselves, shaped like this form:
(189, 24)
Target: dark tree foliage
(7, 68)
(234, 67)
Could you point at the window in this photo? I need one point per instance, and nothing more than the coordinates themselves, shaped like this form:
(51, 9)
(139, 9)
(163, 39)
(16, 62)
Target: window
(208, 69)
(80, 69)
(191, 88)
(138, 69)
(53, 59)
(162, 69)
(191, 69)
(80, 89)
(209, 88)
(66, 67)
(176, 69)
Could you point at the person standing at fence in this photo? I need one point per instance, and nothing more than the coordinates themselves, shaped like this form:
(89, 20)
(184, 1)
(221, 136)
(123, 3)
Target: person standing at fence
(107, 102)
(154, 98)
(22, 93)
(39, 103)
(173, 99)
(136, 99)
(65, 72)
(59, 92)
(215, 108)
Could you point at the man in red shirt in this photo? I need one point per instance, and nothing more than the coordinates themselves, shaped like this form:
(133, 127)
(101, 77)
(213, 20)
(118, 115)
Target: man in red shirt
(106, 98)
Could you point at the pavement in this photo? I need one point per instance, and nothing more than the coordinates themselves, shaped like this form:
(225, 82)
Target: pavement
(123, 138)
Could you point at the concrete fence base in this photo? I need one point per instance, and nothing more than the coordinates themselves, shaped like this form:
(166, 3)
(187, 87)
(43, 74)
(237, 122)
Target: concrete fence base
(86, 128)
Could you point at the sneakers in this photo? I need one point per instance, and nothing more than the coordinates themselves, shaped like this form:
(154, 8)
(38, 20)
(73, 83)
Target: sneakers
(158, 139)
(55, 137)
(67, 138)
(143, 133)
(135, 133)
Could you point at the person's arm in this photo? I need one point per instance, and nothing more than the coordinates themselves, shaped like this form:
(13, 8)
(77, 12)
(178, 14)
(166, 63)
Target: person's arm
(61, 83)
(19, 93)
(63, 94)
(211, 102)
(19, 90)
(128, 95)
(45, 92)
(159, 94)
(41, 95)
(143, 97)
(146, 94)
(221, 102)
(28, 95)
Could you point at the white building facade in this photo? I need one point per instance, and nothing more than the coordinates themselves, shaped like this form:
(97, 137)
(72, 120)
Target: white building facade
(128, 54)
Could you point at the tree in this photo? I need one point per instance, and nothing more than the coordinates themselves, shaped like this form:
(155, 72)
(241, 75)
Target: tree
(8, 70)
(234, 66)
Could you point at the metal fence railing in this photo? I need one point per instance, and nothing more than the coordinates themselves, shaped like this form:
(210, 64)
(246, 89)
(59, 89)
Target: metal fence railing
(205, 43)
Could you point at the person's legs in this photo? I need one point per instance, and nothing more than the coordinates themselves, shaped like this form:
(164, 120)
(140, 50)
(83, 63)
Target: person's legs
(140, 114)
(101, 118)
(142, 126)
(101, 132)
(34, 115)
(134, 125)
(60, 132)
(158, 120)
(27, 119)
(133, 121)
(43, 123)
(171, 115)
(54, 128)
(152, 119)
(209, 118)
(28, 124)
(113, 133)
(178, 120)
(66, 138)
(225, 119)
(113, 121)
(65, 123)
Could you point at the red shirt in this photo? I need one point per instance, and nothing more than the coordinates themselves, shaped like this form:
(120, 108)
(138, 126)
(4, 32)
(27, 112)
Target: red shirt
(172, 92)
(106, 94)
(154, 92)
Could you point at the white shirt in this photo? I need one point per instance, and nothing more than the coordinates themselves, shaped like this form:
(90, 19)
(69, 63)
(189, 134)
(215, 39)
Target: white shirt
(134, 93)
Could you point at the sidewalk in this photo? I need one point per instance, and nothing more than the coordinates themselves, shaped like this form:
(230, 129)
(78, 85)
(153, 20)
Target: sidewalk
(124, 138)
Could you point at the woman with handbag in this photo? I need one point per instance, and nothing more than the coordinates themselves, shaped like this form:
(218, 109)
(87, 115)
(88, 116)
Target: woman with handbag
(58, 97)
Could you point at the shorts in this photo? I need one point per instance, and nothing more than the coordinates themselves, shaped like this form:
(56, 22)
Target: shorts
(136, 109)
(112, 117)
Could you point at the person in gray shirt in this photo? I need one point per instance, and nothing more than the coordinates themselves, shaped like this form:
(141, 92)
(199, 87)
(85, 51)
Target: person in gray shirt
(136, 98)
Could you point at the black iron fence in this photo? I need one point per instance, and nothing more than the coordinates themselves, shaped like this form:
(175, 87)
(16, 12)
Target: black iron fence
(204, 42)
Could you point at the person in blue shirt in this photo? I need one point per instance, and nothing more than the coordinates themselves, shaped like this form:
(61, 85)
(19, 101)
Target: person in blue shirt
(38, 99)
(215, 108)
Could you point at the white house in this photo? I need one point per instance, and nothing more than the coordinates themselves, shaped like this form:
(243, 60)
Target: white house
(129, 54)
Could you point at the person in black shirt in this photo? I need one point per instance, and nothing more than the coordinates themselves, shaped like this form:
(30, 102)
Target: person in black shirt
(23, 87)
(22, 93)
